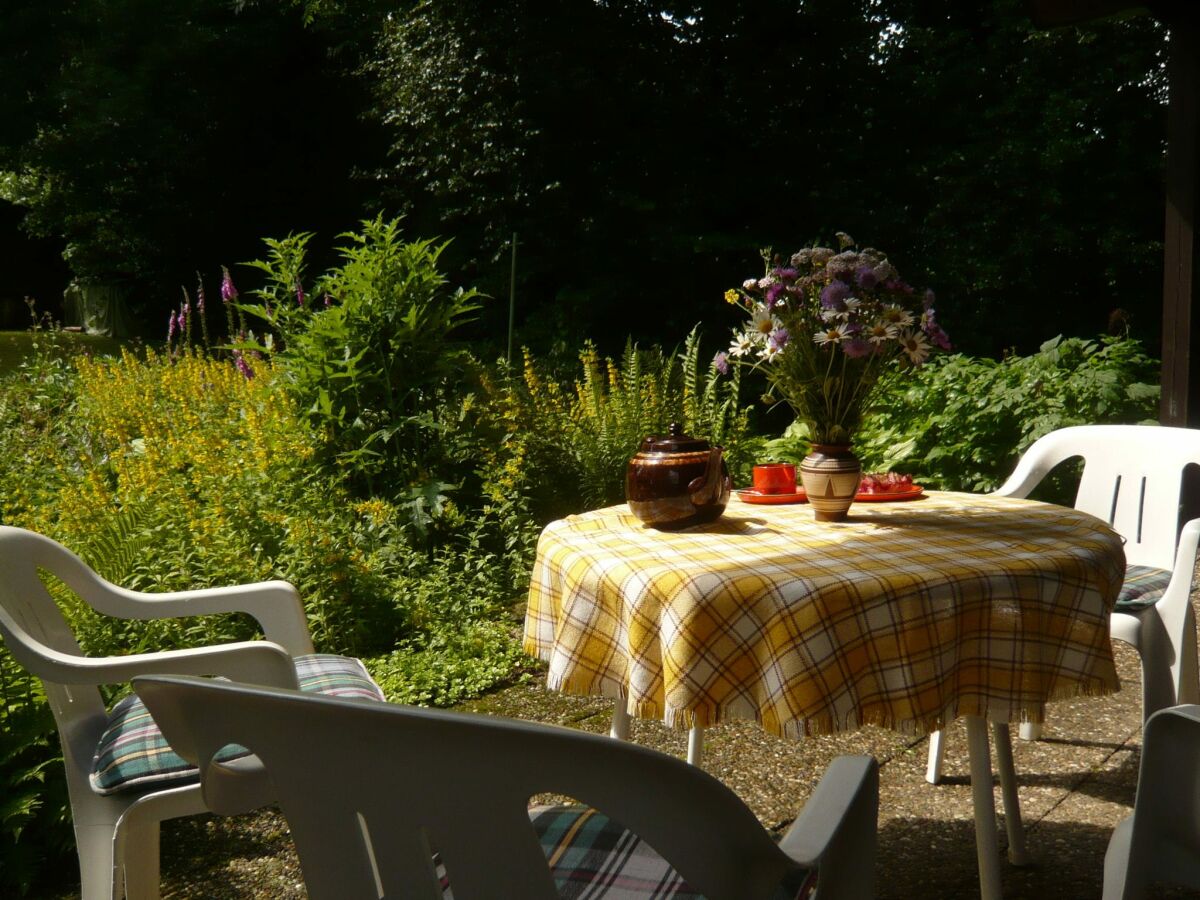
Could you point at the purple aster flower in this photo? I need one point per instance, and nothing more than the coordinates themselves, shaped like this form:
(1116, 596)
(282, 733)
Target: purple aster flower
(787, 274)
(720, 362)
(857, 347)
(938, 335)
(228, 291)
(773, 293)
(834, 293)
(865, 276)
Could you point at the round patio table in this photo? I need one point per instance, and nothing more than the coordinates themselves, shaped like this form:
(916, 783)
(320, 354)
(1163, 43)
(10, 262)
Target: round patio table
(907, 615)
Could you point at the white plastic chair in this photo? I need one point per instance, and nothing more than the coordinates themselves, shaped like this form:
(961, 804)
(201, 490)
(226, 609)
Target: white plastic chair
(1132, 478)
(117, 834)
(413, 782)
(1160, 842)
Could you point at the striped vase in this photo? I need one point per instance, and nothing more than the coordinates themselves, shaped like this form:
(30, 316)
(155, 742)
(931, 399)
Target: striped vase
(830, 474)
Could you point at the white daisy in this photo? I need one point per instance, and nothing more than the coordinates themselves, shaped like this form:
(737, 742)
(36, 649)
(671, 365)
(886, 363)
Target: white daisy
(742, 345)
(897, 315)
(881, 332)
(915, 345)
(834, 334)
(763, 323)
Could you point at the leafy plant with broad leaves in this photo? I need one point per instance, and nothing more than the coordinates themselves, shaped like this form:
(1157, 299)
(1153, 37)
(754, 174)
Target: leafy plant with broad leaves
(961, 423)
(368, 351)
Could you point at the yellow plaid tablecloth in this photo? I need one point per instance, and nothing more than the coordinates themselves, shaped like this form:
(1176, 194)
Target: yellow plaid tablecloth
(907, 615)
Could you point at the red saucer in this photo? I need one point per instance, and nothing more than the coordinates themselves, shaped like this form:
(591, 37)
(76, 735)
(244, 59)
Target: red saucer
(750, 495)
(911, 493)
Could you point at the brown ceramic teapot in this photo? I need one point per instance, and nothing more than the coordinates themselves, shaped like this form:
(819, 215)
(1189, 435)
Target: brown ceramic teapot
(675, 481)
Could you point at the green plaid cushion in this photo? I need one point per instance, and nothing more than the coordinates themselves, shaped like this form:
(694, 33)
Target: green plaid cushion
(133, 753)
(590, 855)
(1144, 586)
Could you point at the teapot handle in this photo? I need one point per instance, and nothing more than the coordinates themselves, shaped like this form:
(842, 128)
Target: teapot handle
(705, 490)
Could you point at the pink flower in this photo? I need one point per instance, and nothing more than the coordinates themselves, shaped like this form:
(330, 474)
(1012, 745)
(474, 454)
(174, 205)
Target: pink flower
(228, 291)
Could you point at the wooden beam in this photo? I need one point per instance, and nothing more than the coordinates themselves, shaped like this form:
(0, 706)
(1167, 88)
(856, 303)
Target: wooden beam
(1181, 342)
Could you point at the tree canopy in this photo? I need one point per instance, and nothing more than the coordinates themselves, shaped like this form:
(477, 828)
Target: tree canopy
(642, 152)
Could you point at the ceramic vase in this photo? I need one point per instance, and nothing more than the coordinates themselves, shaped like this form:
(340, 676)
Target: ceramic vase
(830, 475)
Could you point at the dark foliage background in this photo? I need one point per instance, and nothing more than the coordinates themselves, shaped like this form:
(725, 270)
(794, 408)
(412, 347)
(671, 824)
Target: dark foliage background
(643, 152)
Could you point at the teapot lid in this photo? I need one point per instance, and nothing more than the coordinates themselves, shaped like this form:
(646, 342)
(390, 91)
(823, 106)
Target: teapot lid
(674, 441)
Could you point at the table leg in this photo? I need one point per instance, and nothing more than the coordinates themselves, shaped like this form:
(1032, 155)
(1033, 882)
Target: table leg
(986, 837)
(696, 745)
(1017, 854)
(620, 722)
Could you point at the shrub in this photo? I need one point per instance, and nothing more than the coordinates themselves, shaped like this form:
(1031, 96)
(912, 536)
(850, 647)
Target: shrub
(367, 350)
(960, 423)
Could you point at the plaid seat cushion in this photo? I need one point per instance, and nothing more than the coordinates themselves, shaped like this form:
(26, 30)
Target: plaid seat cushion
(1143, 586)
(590, 855)
(133, 753)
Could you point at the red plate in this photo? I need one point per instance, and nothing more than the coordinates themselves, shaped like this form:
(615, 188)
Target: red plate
(750, 495)
(911, 493)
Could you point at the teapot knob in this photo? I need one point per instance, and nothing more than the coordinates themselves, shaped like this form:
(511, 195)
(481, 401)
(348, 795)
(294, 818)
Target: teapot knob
(675, 429)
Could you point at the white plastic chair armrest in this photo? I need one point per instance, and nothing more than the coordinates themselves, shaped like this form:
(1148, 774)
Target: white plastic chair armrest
(275, 605)
(1185, 553)
(1025, 477)
(837, 825)
(253, 662)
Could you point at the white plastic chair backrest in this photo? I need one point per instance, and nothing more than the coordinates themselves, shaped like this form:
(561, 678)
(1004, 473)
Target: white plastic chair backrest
(370, 789)
(1132, 479)
(31, 621)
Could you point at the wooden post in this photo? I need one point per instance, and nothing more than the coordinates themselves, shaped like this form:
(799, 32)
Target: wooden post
(1180, 403)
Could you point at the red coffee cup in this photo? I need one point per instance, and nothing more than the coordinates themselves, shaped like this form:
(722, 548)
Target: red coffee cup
(775, 478)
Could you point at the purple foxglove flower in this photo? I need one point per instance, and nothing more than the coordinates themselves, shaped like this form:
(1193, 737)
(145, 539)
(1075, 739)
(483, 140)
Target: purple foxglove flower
(242, 365)
(720, 362)
(857, 347)
(228, 291)
(199, 293)
(300, 295)
(833, 295)
(171, 327)
(865, 276)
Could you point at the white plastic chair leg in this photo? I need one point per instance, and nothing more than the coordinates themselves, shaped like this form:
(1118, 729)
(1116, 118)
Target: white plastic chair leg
(937, 750)
(141, 862)
(97, 867)
(1018, 855)
(696, 745)
(986, 838)
(620, 722)
(1030, 731)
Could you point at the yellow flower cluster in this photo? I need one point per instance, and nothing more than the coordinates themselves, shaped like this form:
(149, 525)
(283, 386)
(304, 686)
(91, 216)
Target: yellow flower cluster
(179, 433)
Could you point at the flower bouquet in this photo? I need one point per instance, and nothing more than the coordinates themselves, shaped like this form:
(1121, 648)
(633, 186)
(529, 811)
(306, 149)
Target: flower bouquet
(822, 326)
